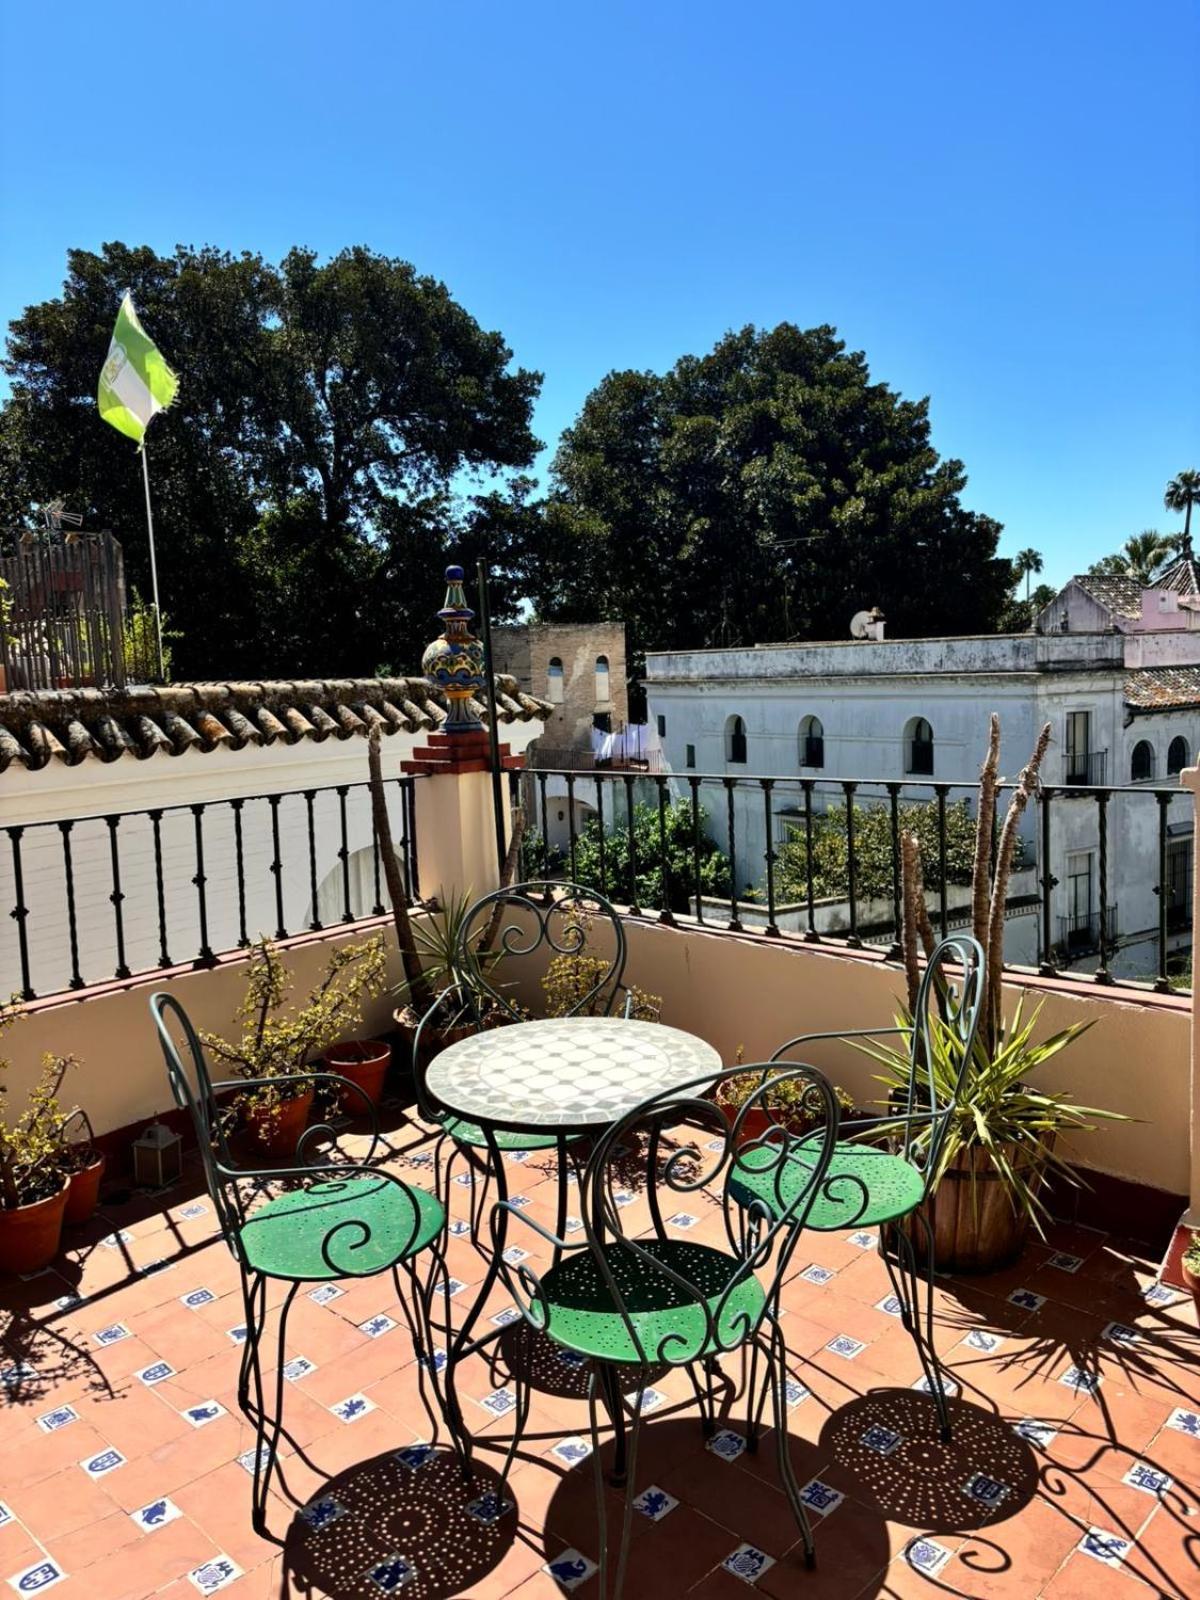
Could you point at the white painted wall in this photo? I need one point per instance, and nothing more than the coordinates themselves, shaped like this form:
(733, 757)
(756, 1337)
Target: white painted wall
(93, 790)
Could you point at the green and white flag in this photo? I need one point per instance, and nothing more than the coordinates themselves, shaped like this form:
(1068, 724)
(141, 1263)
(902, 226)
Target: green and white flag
(135, 382)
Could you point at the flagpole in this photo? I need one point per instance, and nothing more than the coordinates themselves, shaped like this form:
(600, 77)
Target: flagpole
(153, 564)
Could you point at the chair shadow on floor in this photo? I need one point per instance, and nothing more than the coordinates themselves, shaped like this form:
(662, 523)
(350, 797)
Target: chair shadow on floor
(403, 1521)
(886, 1445)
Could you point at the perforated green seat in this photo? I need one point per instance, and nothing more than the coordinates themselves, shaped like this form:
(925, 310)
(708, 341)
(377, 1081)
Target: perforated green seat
(340, 1227)
(670, 1323)
(470, 1133)
(862, 1188)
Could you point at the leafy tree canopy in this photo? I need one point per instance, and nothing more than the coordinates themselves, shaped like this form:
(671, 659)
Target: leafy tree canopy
(873, 850)
(304, 480)
(602, 861)
(766, 490)
(1144, 556)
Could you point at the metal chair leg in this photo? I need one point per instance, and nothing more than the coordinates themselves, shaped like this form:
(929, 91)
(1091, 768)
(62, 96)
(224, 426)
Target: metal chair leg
(908, 1280)
(269, 1428)
(776, 1358)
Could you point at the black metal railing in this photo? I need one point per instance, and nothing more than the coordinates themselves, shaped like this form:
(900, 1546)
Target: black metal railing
(1086, 768)
(687, 844)
(1081, 932)
(111, 895)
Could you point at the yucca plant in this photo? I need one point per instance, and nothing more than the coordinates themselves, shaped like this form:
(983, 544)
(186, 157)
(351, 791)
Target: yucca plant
(1014, 1125)
(997, 1119)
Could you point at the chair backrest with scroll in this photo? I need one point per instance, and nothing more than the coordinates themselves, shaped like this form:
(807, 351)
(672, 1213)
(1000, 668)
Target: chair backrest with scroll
(577, 927)
(194, 1094)
(948, 1012)
(680, 1296)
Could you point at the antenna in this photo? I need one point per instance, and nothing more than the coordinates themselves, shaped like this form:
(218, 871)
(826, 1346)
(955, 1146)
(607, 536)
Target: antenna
(54, 514)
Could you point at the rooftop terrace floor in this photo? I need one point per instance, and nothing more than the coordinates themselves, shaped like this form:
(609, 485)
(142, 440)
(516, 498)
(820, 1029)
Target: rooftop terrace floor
(1124, 1459)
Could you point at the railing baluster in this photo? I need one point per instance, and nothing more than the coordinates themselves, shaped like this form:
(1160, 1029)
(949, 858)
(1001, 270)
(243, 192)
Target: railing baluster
(377, 866)
(768, 785)
(896, 952)
(600, 835)
(852, 938)
(344, 852)
(1049, 884)
(20, 912)
(277, 866)
(810, 933)
(309, 796)
(665, 914)
(735, 922)
(697, 884)
(634, 907)
(571, 825)
(239, 859)
(408, 816)
(64, 829)
(1162, 984)
(116, 897)
(943, 884)
(206, 957)
(545, 857)
(160, 886)
(1103, 975)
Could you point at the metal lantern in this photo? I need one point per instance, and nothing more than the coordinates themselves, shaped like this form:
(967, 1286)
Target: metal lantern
(157, 1157)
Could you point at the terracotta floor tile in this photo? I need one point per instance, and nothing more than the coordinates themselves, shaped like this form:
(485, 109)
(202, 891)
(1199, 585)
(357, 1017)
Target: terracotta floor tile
(1082, 1578)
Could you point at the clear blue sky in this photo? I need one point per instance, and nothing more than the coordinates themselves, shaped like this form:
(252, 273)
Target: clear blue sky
(998, 203)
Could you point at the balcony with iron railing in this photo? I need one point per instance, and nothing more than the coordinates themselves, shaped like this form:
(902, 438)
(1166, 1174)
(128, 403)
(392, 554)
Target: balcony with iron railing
(1082, 933)
(1086, 768)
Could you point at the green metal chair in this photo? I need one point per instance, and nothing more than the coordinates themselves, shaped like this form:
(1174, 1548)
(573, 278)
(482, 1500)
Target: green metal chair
(869, 1185)
(549, 914)
(337, 1219)
(633, 1306)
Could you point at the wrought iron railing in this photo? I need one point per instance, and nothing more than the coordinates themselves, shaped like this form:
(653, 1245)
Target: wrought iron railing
(107, 896)
(650, 868)
(1086, 768)
(1081, 932)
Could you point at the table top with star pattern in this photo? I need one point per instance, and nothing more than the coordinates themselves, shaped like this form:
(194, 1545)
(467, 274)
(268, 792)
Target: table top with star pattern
(566, 1074)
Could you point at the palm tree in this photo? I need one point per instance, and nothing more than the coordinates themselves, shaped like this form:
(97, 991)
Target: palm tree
(1183, 492)
(1025, 564)
(1143, 556)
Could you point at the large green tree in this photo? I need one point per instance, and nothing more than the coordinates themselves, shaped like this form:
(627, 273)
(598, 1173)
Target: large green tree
(1143, 557)
(766, 490)
(308, 482)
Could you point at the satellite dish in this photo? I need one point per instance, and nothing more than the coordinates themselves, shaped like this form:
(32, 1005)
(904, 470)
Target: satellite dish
(860, 624)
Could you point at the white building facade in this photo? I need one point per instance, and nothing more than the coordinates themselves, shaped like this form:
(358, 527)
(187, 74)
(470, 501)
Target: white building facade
(1114, 670)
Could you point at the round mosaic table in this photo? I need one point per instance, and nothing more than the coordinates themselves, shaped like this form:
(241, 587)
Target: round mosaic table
(568, 1075)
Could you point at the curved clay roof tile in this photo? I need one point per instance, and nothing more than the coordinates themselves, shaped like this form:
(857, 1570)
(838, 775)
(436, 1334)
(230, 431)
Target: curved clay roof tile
(348, 720)
(211, 729)
(10, 750)
(181, 734)
(111, 738)
(150, 738)
(78, 742)
(271, 726)
(322, 723)
(243, 730)
(298, 725)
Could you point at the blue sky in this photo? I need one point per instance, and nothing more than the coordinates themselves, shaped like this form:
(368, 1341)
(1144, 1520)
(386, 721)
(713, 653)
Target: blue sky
(997, 203)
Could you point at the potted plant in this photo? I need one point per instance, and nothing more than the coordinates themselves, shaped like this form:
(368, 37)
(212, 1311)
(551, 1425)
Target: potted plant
(1001, 1133)
(277, 1041)
(1191, 1269)
(84, 1165)
(33, 1185)
(791, 1104)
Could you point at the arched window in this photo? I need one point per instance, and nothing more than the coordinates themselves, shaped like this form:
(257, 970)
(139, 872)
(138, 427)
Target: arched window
(1141, 763)
(812, 743)
(1177, 756)
(918, 748)
(602, 680)
(554, 689)
(735, 742)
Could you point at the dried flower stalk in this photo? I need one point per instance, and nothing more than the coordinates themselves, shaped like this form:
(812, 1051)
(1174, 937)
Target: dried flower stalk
(981, 872)
(1026, 784)
(910, 877)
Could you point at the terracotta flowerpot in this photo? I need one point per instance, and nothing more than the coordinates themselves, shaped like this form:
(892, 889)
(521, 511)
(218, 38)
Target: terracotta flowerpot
(1192, 1279)
(433, 1040)
(365, 1062)
(30, 1235)
(83, 1191)
(277, 1129)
